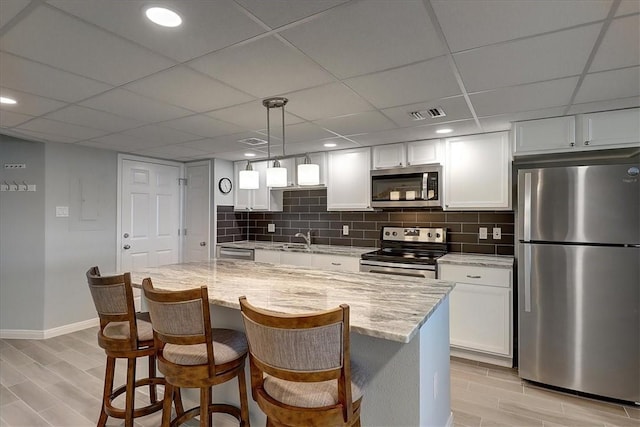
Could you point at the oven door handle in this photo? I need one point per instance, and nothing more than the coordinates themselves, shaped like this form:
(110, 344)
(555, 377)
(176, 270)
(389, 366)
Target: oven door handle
(396, 273)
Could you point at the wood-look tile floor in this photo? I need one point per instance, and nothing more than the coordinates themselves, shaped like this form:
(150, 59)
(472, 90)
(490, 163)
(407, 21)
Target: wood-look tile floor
(58, 382)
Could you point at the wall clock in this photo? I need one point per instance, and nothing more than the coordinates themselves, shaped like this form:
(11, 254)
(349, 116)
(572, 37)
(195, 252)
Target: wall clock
(225, 185)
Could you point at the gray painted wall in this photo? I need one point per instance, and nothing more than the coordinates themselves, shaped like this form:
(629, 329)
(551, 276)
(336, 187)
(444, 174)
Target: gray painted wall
(43, 258)
(221, 168)
(22, 251)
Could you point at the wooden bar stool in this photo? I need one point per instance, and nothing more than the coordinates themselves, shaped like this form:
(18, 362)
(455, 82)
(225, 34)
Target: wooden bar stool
(301, 372)
(122, 335)
(193, 354)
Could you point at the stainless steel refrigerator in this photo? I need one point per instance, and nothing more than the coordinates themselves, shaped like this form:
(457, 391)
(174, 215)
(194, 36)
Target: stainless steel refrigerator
(579, 278)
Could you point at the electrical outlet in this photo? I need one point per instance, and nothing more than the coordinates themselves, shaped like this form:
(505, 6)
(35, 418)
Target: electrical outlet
(497, 233)
(62, 211)
(271, 228)
(345, 230)
(482, 232)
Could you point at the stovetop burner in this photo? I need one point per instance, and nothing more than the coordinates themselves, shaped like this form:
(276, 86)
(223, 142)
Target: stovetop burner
(410, 245)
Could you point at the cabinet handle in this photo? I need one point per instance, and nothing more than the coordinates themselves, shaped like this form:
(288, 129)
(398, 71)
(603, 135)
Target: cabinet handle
(473, 276)
(336, 263)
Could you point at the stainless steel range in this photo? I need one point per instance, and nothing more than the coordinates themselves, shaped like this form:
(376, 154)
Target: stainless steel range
(407, 251)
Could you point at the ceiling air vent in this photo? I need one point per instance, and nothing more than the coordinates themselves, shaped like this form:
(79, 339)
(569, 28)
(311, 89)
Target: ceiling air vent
(417, 115)
(435, 113)
(252, 141)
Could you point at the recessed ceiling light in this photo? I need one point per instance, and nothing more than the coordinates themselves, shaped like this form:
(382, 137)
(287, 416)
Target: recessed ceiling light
(446, 130)
(330, 144)
(5, 100)
(163, 16)
(249, 154)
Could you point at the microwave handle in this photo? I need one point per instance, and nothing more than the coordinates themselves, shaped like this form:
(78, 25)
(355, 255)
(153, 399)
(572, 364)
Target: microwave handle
(425, 180)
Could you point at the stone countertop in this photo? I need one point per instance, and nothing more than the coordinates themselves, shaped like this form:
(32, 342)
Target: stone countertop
(354, 251)
(383, 306)
(493, 261)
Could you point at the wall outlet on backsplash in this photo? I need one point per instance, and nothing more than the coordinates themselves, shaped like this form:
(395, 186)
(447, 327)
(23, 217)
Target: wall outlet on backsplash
(345, 230)
(482, 233)
(497, 233)
(271, 228)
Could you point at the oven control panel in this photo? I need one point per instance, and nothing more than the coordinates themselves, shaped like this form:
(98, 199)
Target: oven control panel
(414, 234)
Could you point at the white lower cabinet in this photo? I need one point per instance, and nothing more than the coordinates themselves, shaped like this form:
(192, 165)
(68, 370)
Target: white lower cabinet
(262, 255)
(481, 312)
(306, 259)
(335, 262)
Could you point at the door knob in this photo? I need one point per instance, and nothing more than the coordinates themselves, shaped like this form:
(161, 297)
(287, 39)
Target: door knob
(203, 243)
(127, 247)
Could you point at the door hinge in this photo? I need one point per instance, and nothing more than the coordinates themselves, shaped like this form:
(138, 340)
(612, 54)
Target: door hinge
(185, 232)
(182, 181)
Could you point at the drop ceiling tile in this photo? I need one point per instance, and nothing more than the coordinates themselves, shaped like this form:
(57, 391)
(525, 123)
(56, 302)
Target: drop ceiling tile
(128, 104)
(207, 25)
(28, 104)
(380, 35)
(177, 151)
(67, 130)
(620, 46)
(202, 125)
(121, 142)
(529, 60)
(277, 13)
(39, 136)
(83, 116)
(252, 67)
(613, 104)
(468, 24)
(195, 91)
(9, 9)
(10, 118)
(426, 81)
(371, 121)
(416, 133)
(608, 85)
(224, 143)
(455, 108)
(502, 121)
(535, 96)
(161, 134)
(42, 80)
(304, 132)
(326, 101)
(628, 6)
(253, 116)
(53, 38)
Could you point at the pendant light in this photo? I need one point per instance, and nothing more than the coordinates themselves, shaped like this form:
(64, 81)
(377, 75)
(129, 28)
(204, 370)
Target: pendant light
(276, 175)
(308, 173)
(248, 178)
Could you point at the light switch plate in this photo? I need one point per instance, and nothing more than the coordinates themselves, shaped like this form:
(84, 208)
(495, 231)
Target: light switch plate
(482, 232)
(497, 233)
(62, 211)
(271, 228)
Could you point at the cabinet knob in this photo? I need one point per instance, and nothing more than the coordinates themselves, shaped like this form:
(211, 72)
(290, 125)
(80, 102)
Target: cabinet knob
(586, 143)
(408, 163)
(400, 164)
(203, 243)
(572, 144)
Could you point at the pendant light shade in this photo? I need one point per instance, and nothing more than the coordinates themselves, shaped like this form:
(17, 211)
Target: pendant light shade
(249, 179)
(308, 173)
(276, 175)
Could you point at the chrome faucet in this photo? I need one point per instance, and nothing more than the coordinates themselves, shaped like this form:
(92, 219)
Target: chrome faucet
(307, 238)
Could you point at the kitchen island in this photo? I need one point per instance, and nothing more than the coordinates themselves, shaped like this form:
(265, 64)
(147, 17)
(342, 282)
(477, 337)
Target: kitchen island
(400, 327)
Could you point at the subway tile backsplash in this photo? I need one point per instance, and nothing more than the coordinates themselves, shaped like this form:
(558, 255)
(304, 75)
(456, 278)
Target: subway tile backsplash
(307, 209)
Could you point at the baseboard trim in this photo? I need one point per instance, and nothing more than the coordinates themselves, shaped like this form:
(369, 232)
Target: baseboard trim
(48, 333)
(450, 420)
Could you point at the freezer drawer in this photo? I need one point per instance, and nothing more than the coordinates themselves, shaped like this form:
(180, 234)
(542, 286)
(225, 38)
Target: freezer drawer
(579, 318)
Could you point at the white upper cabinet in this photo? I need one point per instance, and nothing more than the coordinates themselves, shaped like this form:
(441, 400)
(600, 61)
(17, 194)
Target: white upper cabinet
(611, 128)
(262, 199)
(593, 131)
(389, 156)
(407, 154)
(478, 172)
(558, 133)
(349, 179)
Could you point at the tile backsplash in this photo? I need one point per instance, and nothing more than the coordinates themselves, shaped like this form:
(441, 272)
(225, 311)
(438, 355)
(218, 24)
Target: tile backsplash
(307, 209)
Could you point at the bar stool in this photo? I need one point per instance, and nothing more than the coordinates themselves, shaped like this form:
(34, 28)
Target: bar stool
(301, 372)
(123, 335)
(193, 354)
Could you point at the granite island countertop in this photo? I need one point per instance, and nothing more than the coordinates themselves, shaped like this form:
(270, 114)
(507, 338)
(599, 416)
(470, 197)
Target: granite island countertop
(479, 260)
(354, 251)
(382, 306)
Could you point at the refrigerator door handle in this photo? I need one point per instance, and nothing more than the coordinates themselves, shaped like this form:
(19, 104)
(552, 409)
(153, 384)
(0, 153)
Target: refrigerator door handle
(527, 208)
(527, 278)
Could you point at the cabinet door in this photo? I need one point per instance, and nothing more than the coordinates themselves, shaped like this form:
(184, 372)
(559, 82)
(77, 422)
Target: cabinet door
(424, 152)
(262, 255)
(389, 156)
(480, 318)
(336, 262)
(478, 172)
(349, 179)
(296, 258)
(241, 198)
(609, 128)
(556, 134)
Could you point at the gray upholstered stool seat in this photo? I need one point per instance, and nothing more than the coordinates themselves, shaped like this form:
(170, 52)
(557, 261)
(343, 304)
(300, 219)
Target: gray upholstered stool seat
(228, 345)
(314, 395)
(120, 330)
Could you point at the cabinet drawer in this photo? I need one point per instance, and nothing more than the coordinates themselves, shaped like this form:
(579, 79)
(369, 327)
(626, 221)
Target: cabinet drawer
(336, 262)
(487, 276)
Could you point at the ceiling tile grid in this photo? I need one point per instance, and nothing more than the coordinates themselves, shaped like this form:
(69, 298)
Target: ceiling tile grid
(97, 73)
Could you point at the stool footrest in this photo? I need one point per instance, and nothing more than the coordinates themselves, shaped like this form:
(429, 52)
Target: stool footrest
(215, 407)
(154, 406)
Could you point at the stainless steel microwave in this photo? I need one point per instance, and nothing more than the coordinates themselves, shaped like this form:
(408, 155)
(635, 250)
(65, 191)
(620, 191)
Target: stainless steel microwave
(413, 186)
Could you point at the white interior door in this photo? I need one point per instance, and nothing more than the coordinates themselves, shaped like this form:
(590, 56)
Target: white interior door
(196, 212)
(150, 215)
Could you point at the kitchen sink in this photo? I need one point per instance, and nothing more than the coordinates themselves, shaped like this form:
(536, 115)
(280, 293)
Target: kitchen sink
(295, 246)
